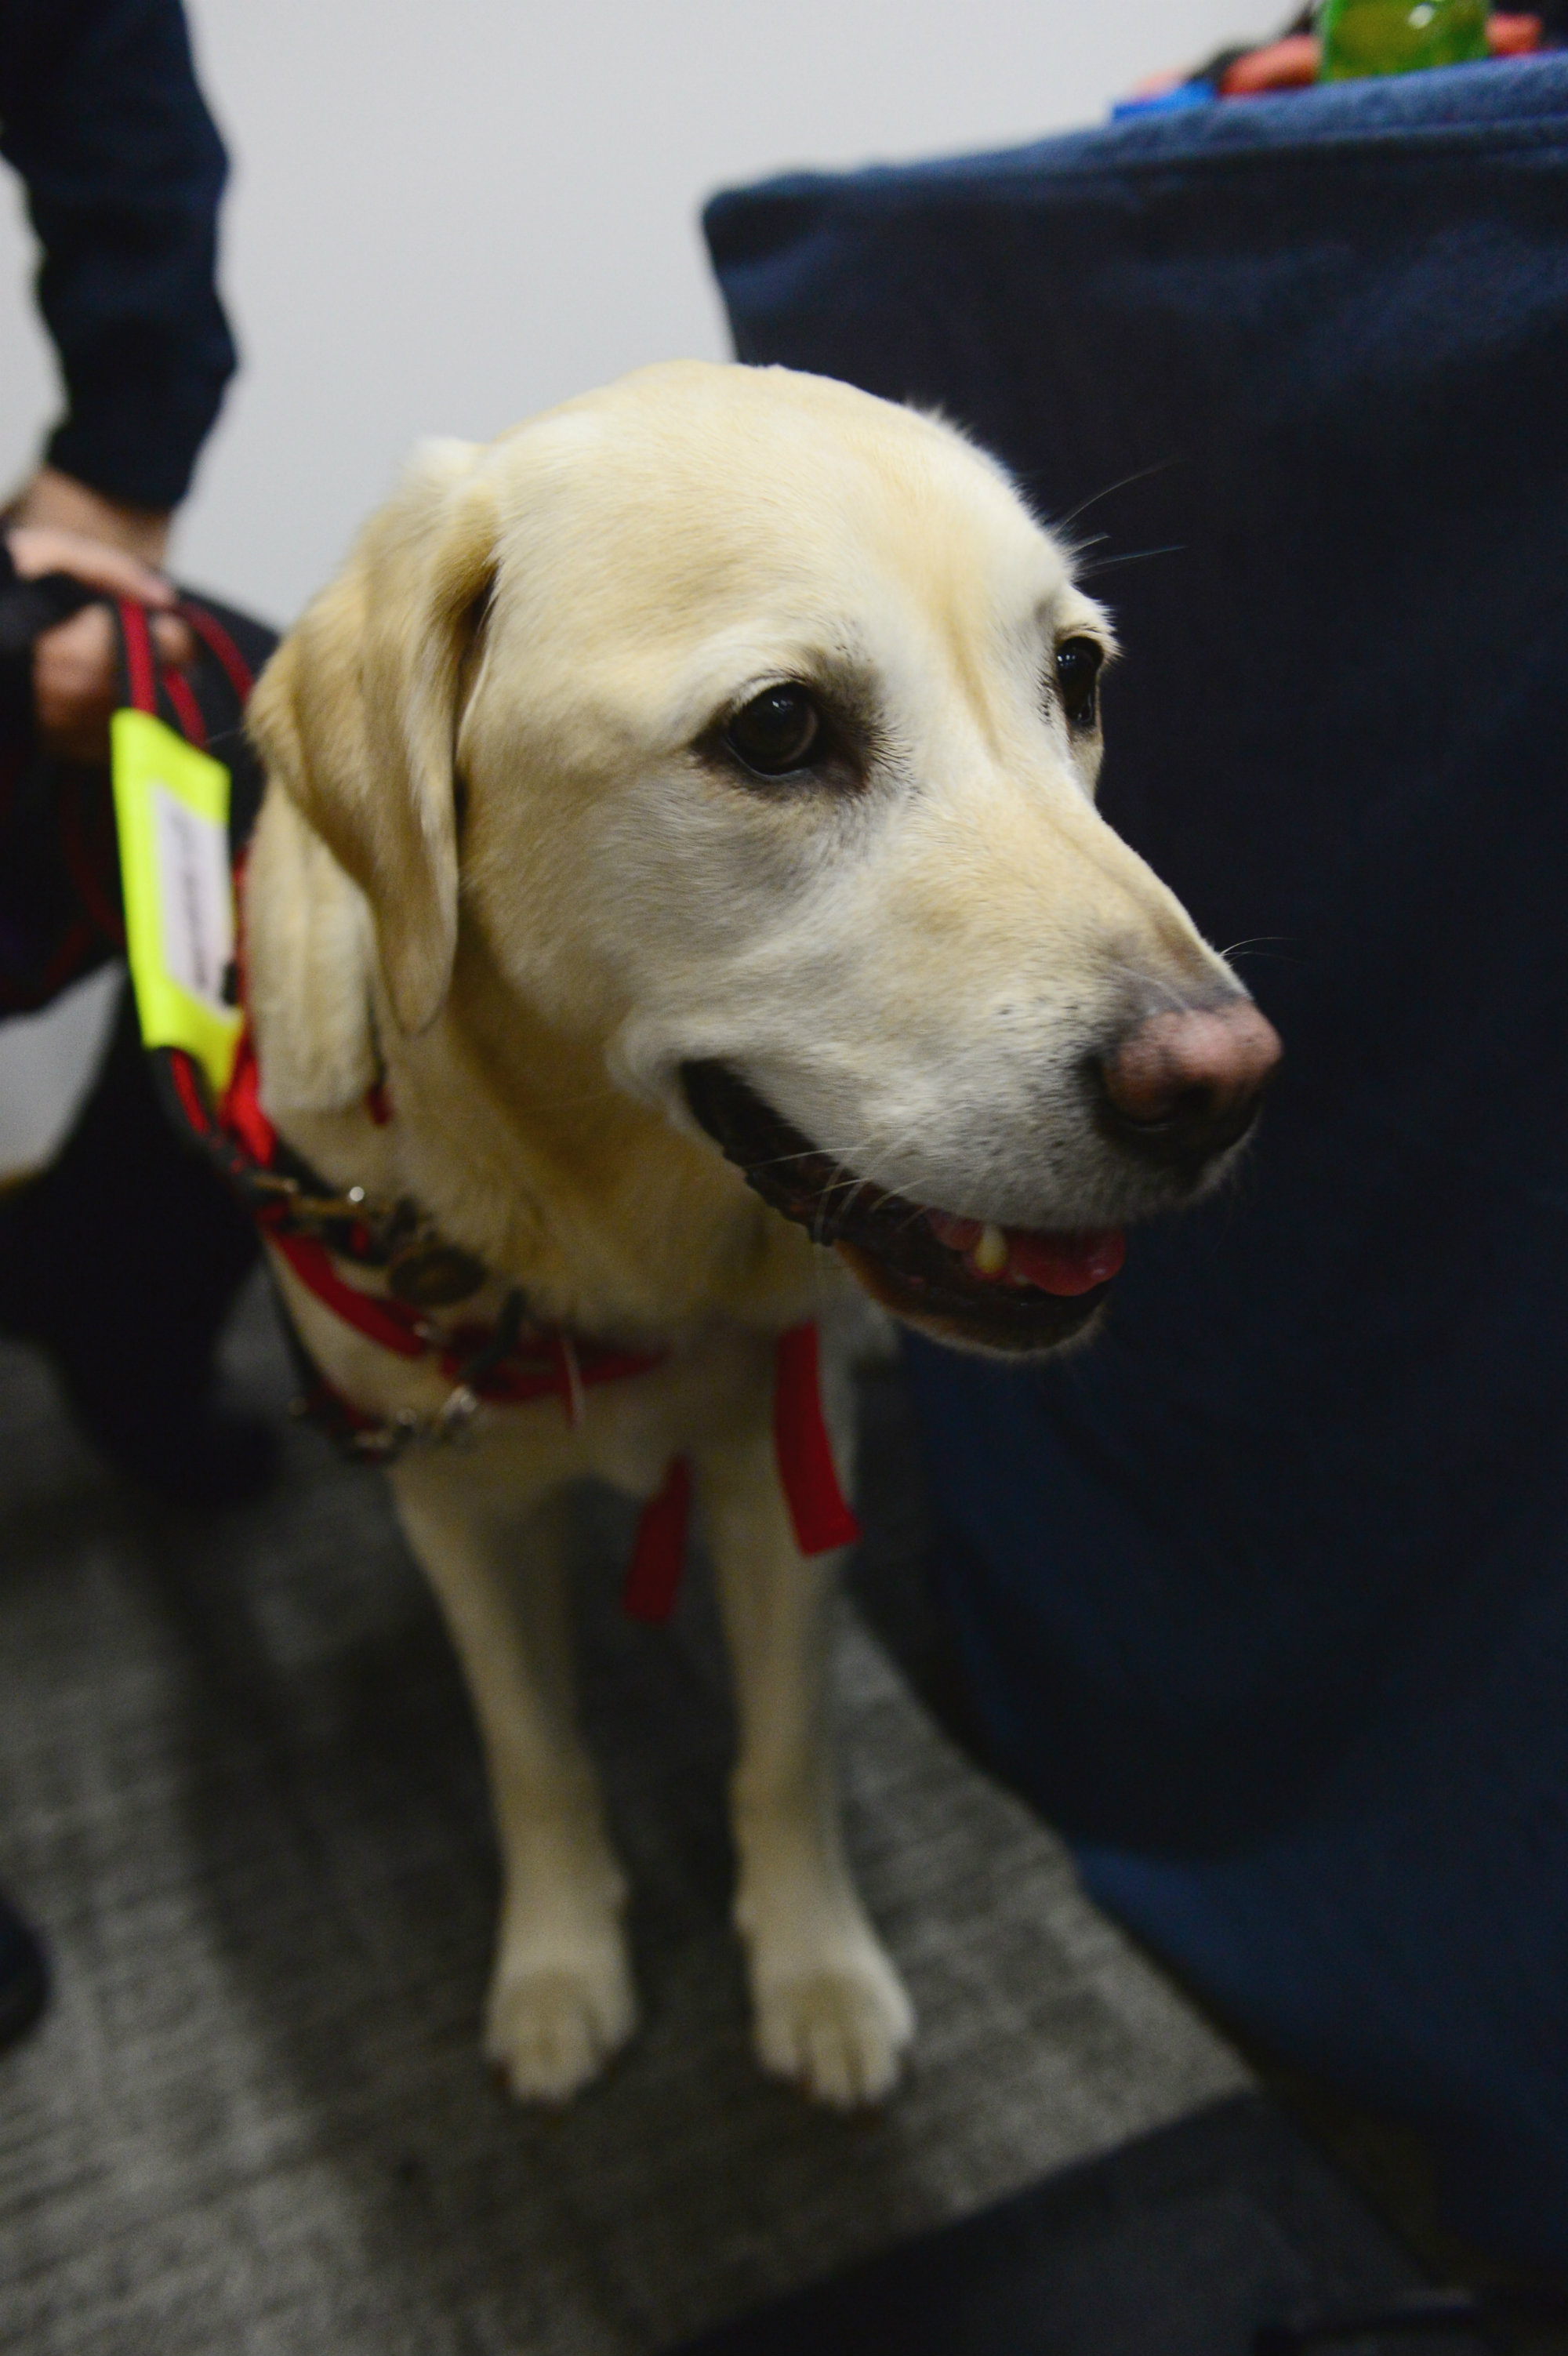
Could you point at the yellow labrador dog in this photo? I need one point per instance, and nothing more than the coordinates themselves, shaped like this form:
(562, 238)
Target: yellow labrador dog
(680, 878)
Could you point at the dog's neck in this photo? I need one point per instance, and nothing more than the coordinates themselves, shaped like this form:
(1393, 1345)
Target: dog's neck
(594, 1202)
(506, 1129)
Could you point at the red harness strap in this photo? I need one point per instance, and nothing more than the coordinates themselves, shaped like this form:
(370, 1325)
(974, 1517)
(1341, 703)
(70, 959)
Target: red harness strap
(141, 670)
(220, 645)
(659, 1550)
(143, 673)
(819, 1510)
(555, 1364)
(806, 1469)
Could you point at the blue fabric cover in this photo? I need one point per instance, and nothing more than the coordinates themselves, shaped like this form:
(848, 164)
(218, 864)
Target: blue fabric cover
(1264, 1597)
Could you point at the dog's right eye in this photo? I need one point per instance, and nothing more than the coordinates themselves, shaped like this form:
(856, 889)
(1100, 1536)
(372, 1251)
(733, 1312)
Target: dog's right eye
(1079, 662)
(776, 733)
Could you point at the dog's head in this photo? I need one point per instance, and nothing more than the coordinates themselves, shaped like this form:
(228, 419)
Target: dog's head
(750, 725)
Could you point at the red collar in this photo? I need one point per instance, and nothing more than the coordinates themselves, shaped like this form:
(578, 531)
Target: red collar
(512, 1361)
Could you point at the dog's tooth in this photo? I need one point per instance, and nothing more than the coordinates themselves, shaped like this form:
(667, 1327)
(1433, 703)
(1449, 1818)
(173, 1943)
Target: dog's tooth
(991, 1252)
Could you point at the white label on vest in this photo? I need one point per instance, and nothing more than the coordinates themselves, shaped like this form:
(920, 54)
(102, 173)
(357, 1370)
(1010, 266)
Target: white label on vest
(196, 902)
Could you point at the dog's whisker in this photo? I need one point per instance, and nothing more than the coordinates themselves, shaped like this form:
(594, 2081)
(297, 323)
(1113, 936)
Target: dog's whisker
(1143, 474)
(1135, 556)
(1171, 994)
(821, 1215)
(846, 1210)
(778, 1161)
(837, 1154)
(1255, 943)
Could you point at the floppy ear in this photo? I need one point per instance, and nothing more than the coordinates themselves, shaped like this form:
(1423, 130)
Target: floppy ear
(356, 715)
(311, 950)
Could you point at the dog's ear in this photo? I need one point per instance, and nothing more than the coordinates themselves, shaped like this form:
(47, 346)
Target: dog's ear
(311, 948)
(356, 715)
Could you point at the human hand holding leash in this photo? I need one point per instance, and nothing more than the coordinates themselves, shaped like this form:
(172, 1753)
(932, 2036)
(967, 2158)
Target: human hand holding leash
(61, 526)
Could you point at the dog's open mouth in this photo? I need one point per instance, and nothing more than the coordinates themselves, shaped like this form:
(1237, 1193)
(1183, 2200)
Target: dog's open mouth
(1001, 1288)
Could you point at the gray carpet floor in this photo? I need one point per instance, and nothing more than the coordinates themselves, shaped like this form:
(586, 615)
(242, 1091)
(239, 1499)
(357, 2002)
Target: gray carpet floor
(240, 1786)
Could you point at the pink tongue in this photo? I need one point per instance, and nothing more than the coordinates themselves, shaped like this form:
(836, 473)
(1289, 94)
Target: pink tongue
(1064, 1265)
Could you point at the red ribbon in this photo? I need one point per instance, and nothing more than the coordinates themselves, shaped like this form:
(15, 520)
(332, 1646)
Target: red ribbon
(819, 1510)
(817, 1504)
(659, 1550)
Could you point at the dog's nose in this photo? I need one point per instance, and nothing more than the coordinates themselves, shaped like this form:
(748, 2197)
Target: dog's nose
(1182, 1086)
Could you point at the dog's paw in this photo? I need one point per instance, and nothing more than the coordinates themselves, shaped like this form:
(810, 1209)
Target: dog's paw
(839, 2028)
(550, 2026)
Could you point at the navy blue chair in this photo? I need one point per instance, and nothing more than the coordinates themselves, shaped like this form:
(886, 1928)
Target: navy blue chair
(1264, 1598)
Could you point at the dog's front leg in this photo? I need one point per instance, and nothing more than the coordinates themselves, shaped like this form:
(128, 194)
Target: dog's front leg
(561, 1996)
(831, 2012)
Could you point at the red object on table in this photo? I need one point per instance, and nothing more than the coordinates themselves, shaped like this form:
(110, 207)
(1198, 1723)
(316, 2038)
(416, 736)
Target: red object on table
(1290, 64)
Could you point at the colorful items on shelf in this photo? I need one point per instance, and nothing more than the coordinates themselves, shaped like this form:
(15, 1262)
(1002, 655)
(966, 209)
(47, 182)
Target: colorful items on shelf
(1345, 38)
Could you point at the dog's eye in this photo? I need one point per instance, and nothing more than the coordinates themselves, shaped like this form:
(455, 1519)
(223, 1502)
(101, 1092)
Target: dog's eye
(777, 731)
(1078, 681)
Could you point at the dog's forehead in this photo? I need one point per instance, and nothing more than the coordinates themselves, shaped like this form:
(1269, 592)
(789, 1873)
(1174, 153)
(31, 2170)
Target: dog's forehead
(690, 488)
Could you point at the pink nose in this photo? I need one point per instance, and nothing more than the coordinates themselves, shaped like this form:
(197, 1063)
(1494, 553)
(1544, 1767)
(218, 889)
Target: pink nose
(1185, 1084)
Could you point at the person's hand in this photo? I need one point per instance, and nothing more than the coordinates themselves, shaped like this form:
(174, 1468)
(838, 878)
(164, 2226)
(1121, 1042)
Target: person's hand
(74, 664)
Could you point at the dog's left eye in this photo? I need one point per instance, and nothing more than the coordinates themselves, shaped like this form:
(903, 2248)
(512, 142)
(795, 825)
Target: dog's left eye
(777, 731)
(1078, 681)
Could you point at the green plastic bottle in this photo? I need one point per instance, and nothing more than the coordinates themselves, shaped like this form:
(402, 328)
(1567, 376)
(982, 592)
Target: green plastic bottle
(1383, 37)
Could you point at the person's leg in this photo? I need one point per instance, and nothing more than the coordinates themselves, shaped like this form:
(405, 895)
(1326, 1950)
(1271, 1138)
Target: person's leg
(122, 1261)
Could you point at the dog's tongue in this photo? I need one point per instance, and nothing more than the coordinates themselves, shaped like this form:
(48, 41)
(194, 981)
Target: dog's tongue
(1060, 1264)
(1065, 1264)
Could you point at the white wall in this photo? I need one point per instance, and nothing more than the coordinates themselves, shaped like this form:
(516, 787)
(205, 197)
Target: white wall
(446, 214)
